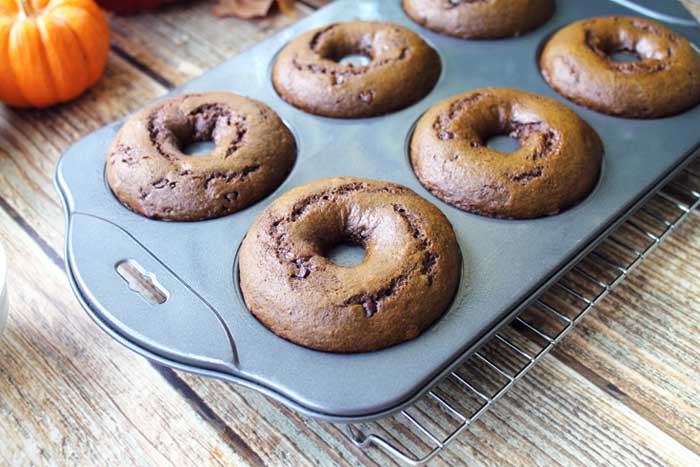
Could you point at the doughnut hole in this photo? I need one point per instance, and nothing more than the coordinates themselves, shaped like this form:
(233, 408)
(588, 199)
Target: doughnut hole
(627, 45)
(341, 236)
(501, 128)
(357, 51)
(336, 235)
(208, 130)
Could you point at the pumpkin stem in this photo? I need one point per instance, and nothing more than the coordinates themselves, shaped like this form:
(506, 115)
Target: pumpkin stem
(25, 9)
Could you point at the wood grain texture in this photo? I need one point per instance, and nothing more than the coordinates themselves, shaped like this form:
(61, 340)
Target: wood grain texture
(67, 392)
(184, 40)
(32, 140)
(641, 346)
(693, 6)
(619, 391)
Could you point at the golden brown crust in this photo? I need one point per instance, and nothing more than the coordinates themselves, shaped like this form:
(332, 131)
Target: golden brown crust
(480, 19)
(407, 280)
(556, 166)
(402, 70)
(665, 81)
(150, 175)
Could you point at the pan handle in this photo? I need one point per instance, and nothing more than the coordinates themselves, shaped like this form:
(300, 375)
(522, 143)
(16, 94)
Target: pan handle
(127, 288)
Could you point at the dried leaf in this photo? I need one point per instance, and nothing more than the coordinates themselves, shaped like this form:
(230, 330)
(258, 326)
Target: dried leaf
(245, 9)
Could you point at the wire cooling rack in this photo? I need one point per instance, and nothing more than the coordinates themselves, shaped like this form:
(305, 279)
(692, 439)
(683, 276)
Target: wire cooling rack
(419, 433)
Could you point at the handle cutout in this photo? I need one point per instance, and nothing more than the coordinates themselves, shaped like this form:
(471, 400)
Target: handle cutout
(142, 282)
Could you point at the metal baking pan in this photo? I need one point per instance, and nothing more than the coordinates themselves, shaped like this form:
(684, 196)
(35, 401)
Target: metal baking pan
(204, 327)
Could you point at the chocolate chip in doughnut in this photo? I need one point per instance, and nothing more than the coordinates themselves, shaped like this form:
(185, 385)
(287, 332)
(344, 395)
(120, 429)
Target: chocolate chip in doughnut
(310, 72)
(406, 281)
(150, 174)
(664, 79)
(480, 19)
(556, 166)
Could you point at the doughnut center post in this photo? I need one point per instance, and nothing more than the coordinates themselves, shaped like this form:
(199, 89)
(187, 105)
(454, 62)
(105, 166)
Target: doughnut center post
(624, 56)
(498, 129)
(345, 245)
(503, 143)
(198, 148)
(205, 128)
(350, 53)
(346, 254)
(355, 59)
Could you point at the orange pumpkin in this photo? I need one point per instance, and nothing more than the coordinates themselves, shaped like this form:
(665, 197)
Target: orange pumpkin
(50, 50)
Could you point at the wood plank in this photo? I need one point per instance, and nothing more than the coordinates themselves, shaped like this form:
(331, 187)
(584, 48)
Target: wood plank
(693, 6)
(555, 416)
(640, 346)
(71, 395)
(31, 141)
(577, 424)
(184, 40)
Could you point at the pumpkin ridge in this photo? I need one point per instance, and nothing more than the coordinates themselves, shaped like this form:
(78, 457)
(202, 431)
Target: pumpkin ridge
(43, 51)
(60, 34)
(64, 12)
(83, 53)
(20, 99)
(46, 37)
(24, 34)
(87, 9)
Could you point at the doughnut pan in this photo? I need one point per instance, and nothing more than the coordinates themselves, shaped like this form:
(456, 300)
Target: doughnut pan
(203, 327)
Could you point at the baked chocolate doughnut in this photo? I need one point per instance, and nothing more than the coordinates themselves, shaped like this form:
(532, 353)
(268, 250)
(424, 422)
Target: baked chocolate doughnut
(664, 81)
(148, 172)
(406, 281)
(478, 19)
(402, 69)
(556, 165)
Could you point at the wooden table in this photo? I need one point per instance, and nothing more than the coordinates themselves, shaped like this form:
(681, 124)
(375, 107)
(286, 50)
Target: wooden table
(624, 387)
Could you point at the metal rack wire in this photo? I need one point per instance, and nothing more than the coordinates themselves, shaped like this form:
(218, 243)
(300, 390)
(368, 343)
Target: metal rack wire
(417, 434)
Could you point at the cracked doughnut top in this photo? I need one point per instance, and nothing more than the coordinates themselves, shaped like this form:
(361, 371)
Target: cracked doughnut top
(406, 281)
(556, 166)
(402, 69)
(149, 173)
(665, 80)
(480, 19)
